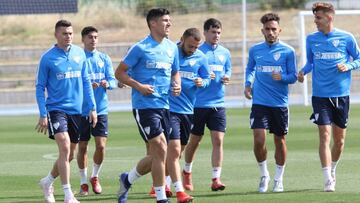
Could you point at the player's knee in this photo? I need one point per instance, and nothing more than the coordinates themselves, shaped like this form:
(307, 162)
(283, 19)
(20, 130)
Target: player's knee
(259, 141)
(100, 148)
(340, 143)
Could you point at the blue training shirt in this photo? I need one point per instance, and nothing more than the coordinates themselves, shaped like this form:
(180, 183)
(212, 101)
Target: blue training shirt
(191, 67)
(152, 63)
(264, 59)
(100, 68)
(219, 60)
(65, 77)
(323, 53)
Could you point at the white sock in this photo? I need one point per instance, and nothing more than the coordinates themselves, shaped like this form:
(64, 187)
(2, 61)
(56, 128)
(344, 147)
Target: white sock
(178, 186)
(168, 181)
(96, 170)
(263, 168)
(279, 172)
(83, 176)
(333, 166)
(327, 173)
(133, 175)
(67, 191)
(188, 167)
(160, 193)
(49, 179)
(216, 172)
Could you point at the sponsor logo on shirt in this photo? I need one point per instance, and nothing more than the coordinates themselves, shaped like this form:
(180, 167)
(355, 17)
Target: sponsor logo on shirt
(186, 74)
(268, 69)
(216, 67)
(97, 76)
(327, 55)
(68, 74)
(158, 65)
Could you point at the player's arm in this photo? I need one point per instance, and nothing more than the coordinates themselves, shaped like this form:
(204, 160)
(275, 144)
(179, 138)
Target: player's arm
(89, 93)
(204, 74)
(40, 84)
(289, 76)
(121, 74)
(110, 81)
(309, 62)
(175, 75)
(249, 75)
(226, 77)
(353, 49)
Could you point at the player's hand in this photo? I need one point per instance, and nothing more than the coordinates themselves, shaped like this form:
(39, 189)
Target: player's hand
(212, 75)
(248, 92)
(93, 118)
(176, 89)
(104, 84)
(225, 80)
(95, 85)
(122, 85)
(198, 82)
(42, 125)
(146, 89)
(300, 76)
(276, 75)
(342, 67)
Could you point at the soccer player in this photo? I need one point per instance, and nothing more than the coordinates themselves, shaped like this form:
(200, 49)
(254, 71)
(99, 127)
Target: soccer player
(331, 55)
(102, 78)
(270, 69)
(62, 73)
(153, 63)
(209, 106)
(195, 74)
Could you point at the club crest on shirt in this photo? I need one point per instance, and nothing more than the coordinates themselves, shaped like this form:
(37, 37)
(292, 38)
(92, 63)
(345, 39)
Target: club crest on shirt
(221, 58)
(77, 59)
(277, 56)
(192, 62)
(101, 64)
(170, 52)
(335, 42)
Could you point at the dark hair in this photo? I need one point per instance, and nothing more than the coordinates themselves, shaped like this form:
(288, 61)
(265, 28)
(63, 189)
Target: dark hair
(192, 32)
(88, 29)
(323, 6)
(156, 13)
(270, 17)
(62, 23)
(211, 23)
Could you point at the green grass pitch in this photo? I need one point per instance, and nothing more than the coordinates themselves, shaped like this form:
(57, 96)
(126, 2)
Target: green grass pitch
(26, 156)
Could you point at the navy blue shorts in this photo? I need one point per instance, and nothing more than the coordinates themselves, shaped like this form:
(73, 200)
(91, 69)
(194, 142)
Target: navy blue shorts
(60, 122)
(181, 127)
(275, 119)
(152, 122)
(331, 110)
(100, 130)
(214, 118)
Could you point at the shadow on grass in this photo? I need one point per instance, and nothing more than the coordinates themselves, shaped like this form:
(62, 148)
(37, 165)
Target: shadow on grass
(223, 194)
(142, 196)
